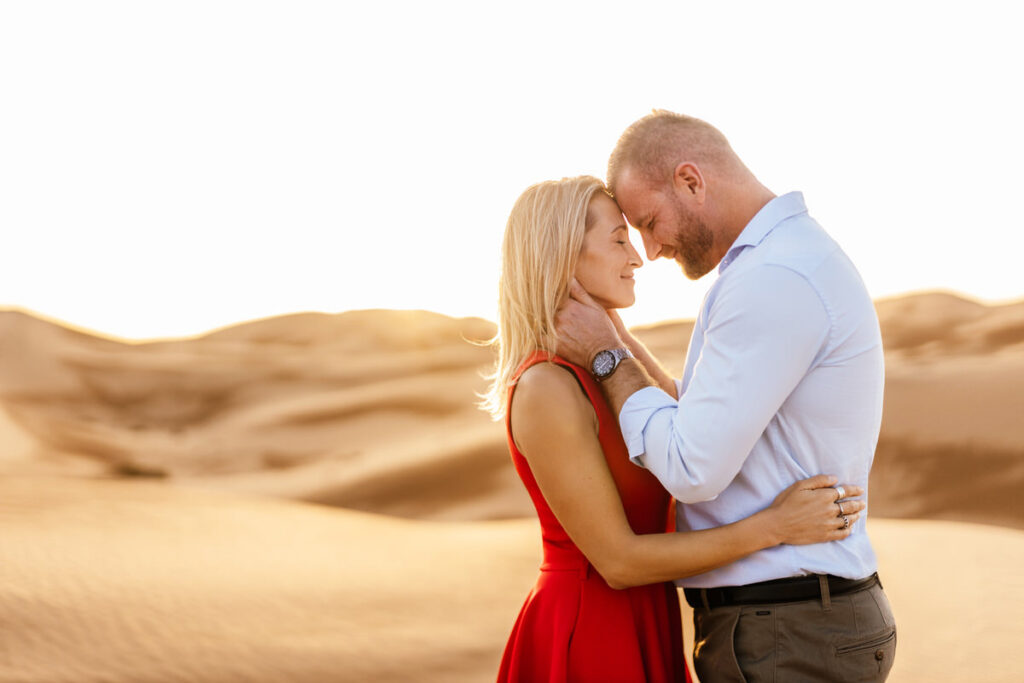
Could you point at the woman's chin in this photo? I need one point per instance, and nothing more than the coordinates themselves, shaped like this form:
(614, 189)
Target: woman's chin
(622, 303)
(622, 300)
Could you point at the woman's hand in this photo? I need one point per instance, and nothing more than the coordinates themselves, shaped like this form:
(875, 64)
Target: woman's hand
(812, 511)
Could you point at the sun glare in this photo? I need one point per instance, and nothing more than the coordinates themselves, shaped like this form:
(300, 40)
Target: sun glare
(169, 170)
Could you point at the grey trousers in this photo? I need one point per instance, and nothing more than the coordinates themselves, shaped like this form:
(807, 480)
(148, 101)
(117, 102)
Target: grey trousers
(834, 639)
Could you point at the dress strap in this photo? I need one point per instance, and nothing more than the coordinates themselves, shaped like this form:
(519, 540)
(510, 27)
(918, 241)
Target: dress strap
(586, 381)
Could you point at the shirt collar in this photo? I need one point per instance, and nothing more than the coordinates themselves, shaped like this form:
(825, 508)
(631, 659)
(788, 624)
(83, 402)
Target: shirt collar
(764, 221)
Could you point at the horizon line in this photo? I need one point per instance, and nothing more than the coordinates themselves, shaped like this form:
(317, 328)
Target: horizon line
(83, 329)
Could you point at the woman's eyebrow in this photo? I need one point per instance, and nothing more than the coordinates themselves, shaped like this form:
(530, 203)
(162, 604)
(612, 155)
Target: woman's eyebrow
(621, 226)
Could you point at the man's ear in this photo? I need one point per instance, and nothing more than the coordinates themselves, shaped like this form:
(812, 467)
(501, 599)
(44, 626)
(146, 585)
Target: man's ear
(688, 180)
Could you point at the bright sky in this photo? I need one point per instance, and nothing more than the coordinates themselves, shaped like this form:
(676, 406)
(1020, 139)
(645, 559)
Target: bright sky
(171, 167)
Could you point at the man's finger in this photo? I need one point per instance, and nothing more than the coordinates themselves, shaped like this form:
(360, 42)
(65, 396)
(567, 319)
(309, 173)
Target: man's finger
(577, 292)
(818, 482)
(852, 491)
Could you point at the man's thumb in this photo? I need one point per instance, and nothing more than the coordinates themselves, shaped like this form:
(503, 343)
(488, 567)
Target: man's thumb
(577, 292)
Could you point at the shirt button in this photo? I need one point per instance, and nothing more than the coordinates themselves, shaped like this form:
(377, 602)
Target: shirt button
(879, 655)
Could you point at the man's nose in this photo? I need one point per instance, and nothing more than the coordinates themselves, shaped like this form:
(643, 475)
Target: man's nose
(652, 247)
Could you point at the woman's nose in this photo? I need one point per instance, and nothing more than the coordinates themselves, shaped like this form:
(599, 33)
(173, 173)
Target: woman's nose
(634, 257)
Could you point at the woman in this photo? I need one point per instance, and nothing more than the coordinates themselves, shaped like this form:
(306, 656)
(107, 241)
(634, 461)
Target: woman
(602, 608)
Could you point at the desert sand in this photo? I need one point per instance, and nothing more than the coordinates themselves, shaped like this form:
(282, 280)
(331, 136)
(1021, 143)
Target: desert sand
(315, 498)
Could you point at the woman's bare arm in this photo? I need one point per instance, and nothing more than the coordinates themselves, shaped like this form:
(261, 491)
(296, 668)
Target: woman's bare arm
(555, 428)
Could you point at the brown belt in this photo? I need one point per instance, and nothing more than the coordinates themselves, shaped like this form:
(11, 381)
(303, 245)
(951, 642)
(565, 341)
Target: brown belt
(779, 590)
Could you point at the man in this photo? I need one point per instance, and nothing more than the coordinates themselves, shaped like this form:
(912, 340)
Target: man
(783, 380)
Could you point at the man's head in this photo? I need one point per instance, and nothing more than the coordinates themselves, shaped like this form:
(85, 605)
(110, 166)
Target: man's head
(677, 179)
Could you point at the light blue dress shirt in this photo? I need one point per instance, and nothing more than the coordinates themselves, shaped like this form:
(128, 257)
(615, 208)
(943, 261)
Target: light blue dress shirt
(783, 381)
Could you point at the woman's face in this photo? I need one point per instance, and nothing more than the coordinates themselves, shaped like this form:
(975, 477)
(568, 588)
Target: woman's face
(607, 258)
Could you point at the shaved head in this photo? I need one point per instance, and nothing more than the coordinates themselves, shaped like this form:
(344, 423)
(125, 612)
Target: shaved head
(657, 143)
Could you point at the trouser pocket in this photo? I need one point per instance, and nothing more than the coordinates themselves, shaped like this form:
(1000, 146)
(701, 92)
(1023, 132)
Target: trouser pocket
(868, 658)
(714, 655)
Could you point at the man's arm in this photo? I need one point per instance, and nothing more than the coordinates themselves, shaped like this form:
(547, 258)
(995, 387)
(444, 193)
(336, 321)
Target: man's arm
(555, 428)
(649, 363)
(585, 329)
(764, 330)
(629, 378)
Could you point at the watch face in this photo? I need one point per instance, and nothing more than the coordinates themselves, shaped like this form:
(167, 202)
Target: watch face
(604, 363)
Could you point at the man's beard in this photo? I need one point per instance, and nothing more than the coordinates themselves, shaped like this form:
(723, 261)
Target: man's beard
(693, 243)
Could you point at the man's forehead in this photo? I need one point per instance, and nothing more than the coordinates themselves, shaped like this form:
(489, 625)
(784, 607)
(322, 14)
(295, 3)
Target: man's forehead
(628, 180)
(637, 217)
(634, 199)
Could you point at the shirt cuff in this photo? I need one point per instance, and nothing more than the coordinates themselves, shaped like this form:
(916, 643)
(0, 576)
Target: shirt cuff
(636, 412)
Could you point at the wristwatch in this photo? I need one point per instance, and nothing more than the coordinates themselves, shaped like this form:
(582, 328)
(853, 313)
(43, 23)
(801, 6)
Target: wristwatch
(606, 361)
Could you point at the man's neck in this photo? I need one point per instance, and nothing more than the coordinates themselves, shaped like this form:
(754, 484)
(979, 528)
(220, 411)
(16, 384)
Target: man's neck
(745, 203)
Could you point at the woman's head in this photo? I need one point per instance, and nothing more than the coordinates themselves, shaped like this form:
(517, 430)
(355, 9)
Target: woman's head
(557, 230)
(607, 259)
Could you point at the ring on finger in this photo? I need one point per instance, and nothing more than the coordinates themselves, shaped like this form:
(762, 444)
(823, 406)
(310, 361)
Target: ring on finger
(840, 493)
(841, 510)
(846, 522)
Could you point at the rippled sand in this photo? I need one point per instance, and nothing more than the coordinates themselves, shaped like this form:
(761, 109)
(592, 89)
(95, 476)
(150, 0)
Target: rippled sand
(315, 498)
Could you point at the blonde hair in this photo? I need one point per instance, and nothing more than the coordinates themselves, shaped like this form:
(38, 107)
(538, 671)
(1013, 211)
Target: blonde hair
(542, 244)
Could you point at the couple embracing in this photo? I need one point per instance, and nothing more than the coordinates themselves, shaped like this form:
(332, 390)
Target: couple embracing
(765, 444)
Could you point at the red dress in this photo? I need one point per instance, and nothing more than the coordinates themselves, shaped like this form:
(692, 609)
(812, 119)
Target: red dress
(573, 626)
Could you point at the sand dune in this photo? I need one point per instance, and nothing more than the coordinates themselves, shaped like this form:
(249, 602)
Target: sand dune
(157, 519)
(354, 410)
(937, 324)
(134, 581)
(314, 407)
(140, 581)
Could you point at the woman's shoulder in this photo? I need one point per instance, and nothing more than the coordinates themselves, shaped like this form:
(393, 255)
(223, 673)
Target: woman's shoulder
(547, 375)
(549, 407)
(549, 390)
(548, 360)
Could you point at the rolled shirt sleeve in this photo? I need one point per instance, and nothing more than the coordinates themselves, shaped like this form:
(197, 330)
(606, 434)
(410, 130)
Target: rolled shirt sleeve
(763, 331)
